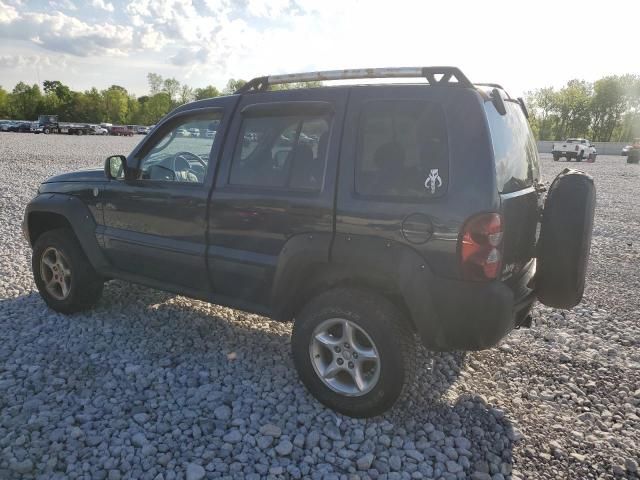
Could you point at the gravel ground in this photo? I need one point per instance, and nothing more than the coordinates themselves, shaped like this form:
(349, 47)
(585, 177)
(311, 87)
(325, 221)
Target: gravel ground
(156, 386)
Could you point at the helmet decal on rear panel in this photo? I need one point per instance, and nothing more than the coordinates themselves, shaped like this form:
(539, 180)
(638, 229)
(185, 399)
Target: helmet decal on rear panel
(433, 181)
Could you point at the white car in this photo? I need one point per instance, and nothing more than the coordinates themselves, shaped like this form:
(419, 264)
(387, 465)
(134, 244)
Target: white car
(183, 132)
(577, 148)
(195, 132)
(98, 130)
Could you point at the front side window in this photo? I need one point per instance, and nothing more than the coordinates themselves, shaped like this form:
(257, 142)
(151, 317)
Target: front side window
(286, 151)
(182, 154)
(402, 150)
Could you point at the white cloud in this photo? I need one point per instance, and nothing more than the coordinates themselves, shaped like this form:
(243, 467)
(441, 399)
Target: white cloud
(8, 13)
(62, 5)
(19, 61)
(102, 5)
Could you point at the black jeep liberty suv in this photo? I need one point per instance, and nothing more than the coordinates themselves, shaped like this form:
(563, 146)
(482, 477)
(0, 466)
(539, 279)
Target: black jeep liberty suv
(369, 215)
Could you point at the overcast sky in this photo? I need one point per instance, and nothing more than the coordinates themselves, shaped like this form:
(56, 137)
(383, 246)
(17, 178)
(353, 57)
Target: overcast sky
(520, 44)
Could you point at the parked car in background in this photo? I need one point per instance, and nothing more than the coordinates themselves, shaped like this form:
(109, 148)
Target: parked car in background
(5, 124)
(574, 148)
(210, 133)
(625, 150)
(20, 127)
(183, 132)
(633, 156)
(194, 132)
(98, 130)
(142, 130)
(36, 128)
(121, 131)
(357, 233)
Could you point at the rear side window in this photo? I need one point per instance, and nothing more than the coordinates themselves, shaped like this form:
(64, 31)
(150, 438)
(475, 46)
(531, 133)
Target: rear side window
(402, 150)
(514, 148)
(286, 152)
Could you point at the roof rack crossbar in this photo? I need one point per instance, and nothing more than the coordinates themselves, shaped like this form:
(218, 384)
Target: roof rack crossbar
(434, 75)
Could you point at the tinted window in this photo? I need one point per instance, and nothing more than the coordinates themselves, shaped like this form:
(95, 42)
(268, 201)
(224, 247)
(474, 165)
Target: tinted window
(182, 154)
(515, 150)
(281, 152)
(403, 149)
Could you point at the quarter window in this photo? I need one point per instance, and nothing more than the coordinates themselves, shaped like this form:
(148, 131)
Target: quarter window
(281, 152)
(403, 150)
(182, 154)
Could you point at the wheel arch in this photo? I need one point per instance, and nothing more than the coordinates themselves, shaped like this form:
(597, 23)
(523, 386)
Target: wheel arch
(390, 269)
(51, 211)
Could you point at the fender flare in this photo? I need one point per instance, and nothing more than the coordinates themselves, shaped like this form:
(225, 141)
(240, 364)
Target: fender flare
(79, 217)
(391, 268)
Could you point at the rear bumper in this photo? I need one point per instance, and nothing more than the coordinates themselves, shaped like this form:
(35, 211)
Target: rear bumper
(475, 316)
(567, 154)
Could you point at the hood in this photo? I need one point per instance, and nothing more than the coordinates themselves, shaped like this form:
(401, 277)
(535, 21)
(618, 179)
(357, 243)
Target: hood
(89, 175)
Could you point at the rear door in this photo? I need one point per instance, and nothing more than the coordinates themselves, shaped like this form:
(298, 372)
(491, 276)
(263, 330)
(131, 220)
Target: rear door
(276, 183)
(517, 173)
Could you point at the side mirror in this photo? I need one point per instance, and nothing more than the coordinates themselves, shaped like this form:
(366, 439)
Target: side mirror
(115, 167)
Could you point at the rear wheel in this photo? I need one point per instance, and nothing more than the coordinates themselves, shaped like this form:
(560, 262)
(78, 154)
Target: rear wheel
(353, 351)
(580, 157)
(556, 157)
(46, 131)
(63, 274)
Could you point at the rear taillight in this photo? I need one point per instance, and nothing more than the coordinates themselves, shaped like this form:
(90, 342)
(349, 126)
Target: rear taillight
(480, 247)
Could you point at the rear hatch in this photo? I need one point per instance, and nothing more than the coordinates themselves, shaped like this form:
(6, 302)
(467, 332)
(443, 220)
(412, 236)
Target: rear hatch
(517, 175)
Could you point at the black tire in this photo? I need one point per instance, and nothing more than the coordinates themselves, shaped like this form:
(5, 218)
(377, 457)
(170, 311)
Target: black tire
(565, 239)
(580, 157)
(46, 131)
(85, 286)
(383, 323)
(556, 158)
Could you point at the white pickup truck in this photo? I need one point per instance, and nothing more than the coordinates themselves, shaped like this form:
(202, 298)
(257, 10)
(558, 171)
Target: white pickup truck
(578, 148)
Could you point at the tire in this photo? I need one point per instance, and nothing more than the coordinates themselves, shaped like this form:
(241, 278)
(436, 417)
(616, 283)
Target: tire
(565, 239)
(580, 157)
(556, 158)
(63, 252)
(46, 131)
(372, 316)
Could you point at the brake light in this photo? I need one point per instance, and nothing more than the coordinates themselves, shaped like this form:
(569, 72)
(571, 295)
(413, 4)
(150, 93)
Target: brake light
(480, 247)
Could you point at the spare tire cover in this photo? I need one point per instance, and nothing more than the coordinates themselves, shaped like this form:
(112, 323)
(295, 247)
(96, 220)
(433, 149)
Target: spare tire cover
(565, 239)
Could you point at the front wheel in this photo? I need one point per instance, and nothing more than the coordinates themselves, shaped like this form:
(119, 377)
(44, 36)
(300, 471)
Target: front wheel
(63, 274)
(556, 157)
(353, 351)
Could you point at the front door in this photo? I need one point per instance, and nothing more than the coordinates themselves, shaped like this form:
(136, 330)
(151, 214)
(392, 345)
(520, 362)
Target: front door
(155, 219)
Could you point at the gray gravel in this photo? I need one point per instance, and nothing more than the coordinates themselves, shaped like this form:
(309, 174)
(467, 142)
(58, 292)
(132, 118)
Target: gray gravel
(154, 386)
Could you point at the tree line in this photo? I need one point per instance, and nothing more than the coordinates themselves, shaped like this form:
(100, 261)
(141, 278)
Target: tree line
(607, 110)
(112, 105)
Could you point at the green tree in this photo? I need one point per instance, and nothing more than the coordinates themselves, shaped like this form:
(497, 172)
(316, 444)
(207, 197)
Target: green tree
(25, 101)
(4, 103)
(207, 92)
(233, 85)
(116, 104)
(155, 83)
(186, 94)
(607, 107)
(171, 87)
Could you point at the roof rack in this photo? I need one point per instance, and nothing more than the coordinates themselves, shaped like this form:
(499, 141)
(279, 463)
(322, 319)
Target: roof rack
(448, 76)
